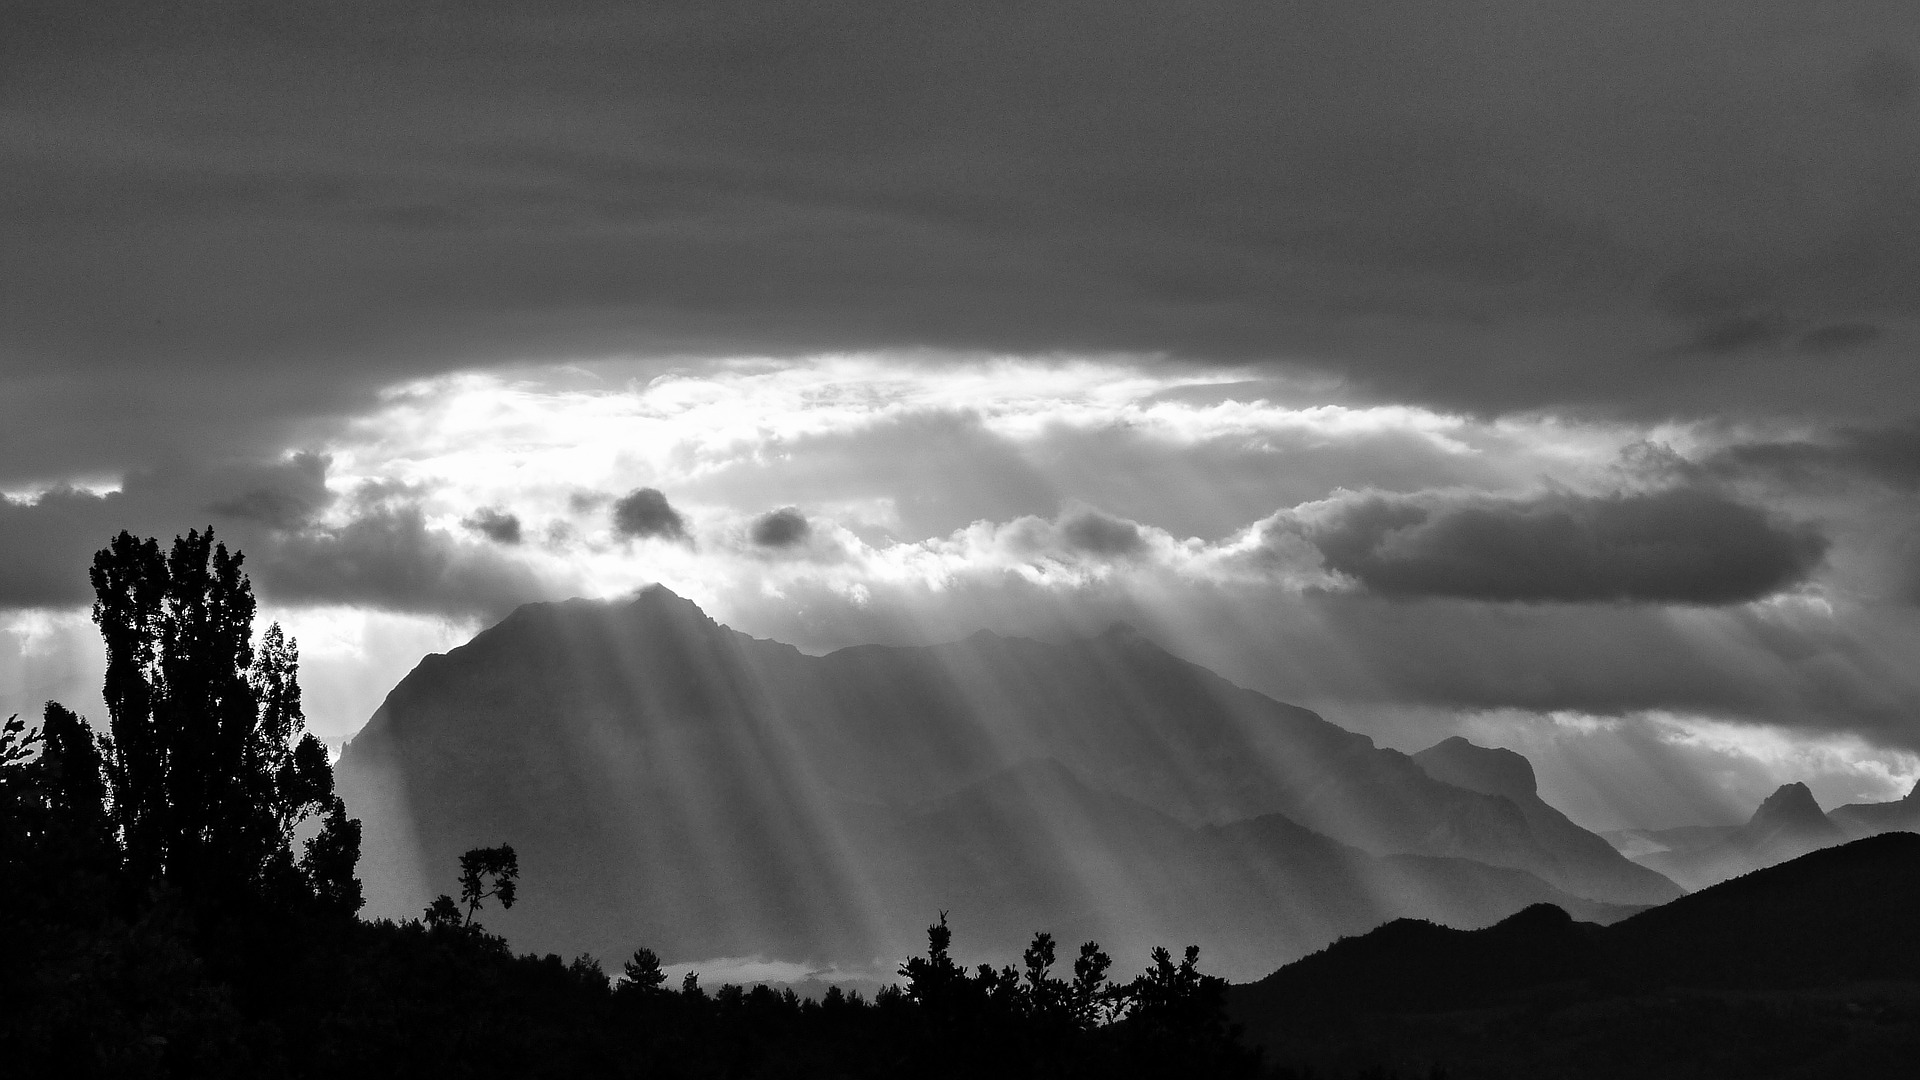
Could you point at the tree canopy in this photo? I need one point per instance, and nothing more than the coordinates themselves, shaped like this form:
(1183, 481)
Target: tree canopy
(205, 771)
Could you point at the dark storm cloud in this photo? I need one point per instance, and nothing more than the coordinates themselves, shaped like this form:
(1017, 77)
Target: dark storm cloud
(218, 219)
(390, 559)
(49, 543)
(382, 555)
(644, 512)
(1888, 454)
(782, 528)
(1680, 546)
(496, 525)
(1098, 534)
(282, 495)
(1809, 673)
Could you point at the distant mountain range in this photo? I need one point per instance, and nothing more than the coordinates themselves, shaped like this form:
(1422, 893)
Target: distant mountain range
(1806, 969)
(671, 782)
(1788, 824)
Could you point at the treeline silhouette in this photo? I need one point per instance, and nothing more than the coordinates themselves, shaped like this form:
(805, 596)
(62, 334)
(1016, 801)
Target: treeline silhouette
(179, 895)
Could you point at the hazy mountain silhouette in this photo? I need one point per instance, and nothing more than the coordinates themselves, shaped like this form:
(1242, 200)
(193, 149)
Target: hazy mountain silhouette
(1587, 864)
(1808, 968)
(1787, 825)
(1866, 819)
(1035, 846)
(669, 780)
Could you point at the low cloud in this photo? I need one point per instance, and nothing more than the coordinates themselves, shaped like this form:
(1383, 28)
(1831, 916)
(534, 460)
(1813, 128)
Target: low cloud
(782, 528)
(645, 513)
(304, 542)
(496, 525)
(1096, 533)
(1077, 545)
(1679, 546)
(1887, 454)
(390, 559)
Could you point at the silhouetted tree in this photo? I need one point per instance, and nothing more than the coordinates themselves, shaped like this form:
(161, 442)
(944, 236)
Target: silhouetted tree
(52, 800)
(1089, 998)
(1044, 998)
(484, 873)
(480, 868)
(642, 974)
(72, 778)
(206, 762)
(442, 914)
(1176, 1019)
(934, 981)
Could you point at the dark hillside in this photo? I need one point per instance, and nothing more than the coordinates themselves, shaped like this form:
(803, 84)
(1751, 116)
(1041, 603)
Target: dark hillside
(1807, 969)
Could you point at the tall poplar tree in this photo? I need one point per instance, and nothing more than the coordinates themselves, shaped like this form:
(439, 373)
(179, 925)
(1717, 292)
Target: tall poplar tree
(207, 761)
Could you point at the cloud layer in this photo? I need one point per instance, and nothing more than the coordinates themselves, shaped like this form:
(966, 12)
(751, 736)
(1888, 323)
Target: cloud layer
(230, 224)
(1408, 571)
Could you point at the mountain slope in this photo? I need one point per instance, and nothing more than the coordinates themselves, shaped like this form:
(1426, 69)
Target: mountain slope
(670, 781)
(1867, 819)
(1808, 968)
(1586, 864)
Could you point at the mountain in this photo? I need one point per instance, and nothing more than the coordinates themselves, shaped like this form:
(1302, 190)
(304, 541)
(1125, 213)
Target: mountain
(1809, 968)
(1035, 847)
(1867, 819)
(1787, 825)
(672, 782)
(1585, 864)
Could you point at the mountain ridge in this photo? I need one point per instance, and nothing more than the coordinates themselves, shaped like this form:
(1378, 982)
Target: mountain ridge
(1807, 968)
(1787, 824)
(668, 777)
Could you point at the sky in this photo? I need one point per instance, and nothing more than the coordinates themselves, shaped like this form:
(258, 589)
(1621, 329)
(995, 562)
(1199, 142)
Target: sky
(1540, 372)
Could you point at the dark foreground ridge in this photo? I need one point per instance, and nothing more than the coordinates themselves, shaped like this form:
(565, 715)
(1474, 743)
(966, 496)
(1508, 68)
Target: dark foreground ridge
(1807, 969)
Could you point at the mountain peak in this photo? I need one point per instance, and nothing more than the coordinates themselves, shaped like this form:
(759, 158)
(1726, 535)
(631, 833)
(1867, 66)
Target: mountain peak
(1485, 769)
(657, 593)
(1790, 806)
(657, 600)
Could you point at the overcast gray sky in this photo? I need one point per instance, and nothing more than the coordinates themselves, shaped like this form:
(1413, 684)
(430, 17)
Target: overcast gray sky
(1543, 371)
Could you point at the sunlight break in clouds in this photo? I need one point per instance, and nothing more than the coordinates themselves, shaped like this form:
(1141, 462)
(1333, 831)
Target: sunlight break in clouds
(526, 445)
(840, 442)
(1361, 557)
